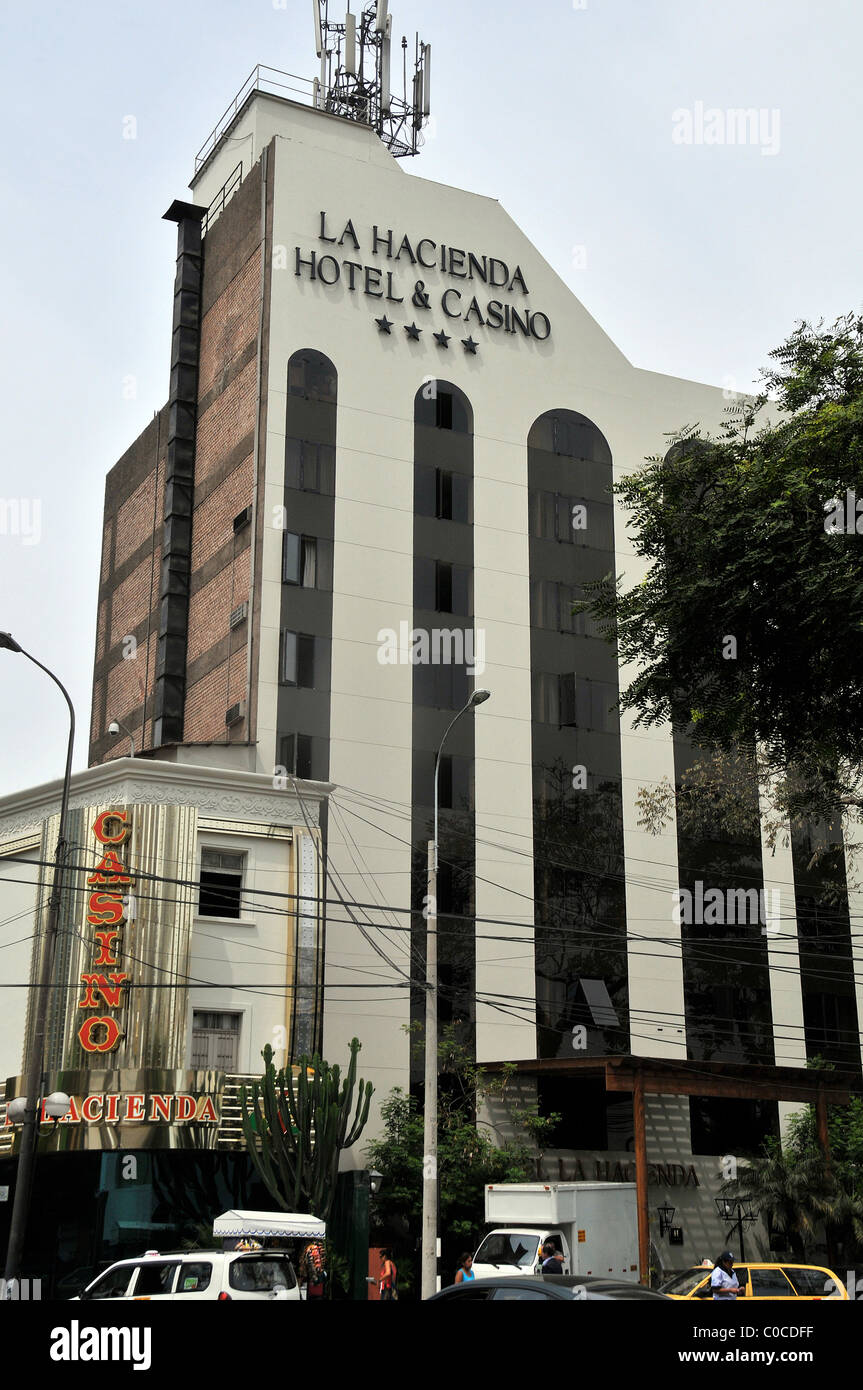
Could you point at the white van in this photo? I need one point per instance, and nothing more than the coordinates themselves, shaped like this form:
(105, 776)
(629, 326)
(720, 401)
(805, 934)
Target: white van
(198, 1275)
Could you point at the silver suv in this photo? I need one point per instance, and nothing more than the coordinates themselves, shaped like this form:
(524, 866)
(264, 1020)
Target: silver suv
(198, 1275)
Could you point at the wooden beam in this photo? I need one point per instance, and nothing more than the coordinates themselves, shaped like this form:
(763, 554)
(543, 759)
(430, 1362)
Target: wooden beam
(641, 1181)
(677, 1084)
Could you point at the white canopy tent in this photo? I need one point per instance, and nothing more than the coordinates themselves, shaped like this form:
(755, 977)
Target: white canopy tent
(261, 1224)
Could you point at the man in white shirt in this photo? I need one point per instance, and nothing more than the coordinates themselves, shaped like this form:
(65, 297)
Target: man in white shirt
(723, 1280)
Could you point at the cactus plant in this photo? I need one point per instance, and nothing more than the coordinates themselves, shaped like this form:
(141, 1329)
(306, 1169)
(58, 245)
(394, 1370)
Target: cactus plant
(295, 1128)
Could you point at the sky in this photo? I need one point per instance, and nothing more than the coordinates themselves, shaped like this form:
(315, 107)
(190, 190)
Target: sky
(602, 126)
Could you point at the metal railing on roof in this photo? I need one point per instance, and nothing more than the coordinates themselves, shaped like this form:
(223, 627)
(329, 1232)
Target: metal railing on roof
(261, 79)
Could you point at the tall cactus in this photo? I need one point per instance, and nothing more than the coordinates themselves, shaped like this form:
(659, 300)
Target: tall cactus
(295, 1128)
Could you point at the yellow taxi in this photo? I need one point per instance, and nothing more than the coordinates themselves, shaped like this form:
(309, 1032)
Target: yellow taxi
(773, 1281)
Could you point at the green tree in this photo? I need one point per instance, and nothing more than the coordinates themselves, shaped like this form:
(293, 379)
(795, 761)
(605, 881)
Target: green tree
(746, 628)
(468, 1156)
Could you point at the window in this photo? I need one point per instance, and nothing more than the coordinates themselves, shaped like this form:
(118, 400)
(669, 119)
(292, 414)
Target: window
(194, 1278)
(578, 520)
(306, 561)
(770, 1283)
(309, 466)
(442, 494)
(312, 376)
(441, 687)
(455, 781)
(297, 660)
(154, 1279)
(215, 1041)
(221, 883)
(261, 1273)
(441, 587)
(113, 1284)
(810, 1283)
(295, 754)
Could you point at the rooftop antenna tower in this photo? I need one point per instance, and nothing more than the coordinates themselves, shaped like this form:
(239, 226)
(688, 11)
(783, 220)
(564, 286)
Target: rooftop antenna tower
(355, 77)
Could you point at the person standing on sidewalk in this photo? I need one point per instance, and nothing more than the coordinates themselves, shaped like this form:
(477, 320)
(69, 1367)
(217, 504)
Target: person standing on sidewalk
(389, 1277)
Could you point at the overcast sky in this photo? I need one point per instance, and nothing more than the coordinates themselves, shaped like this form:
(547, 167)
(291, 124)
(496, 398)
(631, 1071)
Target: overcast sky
(697, 258)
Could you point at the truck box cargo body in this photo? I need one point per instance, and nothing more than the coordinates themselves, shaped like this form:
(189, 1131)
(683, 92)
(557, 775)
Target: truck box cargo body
(594, 1225)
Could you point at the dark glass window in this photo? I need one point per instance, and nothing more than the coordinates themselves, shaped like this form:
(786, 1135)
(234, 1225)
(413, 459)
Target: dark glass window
(579, 521)
(441, 587)
(297, 664)
(310, 466)
(443, 407)
(723, 1126)
(221, 883)
(295, 754)
(441, 687)
(312, 376)
(113, 1284)
(442, 494)
(154, 1279)
(455, 781)
(307, 561)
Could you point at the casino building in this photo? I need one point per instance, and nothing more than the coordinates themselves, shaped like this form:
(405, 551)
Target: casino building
(382, 479)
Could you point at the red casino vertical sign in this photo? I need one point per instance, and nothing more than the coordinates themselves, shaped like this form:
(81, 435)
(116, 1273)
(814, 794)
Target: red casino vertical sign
(107, 886)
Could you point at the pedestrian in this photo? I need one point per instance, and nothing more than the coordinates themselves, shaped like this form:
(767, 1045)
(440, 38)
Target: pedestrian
(723, 1280)
(552, 1259)
(465, 1269)
(389, 1277)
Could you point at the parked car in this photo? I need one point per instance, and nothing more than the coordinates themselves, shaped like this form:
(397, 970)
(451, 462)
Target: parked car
(761, 1281)
(197, 1275)
(555, 1288)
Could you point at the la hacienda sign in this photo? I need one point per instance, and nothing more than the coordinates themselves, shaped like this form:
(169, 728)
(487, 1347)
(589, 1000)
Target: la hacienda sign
(470, 302)
(175, 1107)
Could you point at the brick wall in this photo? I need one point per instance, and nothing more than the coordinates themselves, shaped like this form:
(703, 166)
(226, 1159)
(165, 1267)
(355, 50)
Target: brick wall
(218, 659)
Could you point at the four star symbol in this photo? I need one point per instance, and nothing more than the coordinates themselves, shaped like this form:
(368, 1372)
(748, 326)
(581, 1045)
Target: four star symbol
(442, 339)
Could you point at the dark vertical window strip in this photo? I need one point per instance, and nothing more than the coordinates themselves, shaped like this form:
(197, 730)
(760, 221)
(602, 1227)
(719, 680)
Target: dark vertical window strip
(306, 613)
(827, 982)
(580, 910)
(443, 571)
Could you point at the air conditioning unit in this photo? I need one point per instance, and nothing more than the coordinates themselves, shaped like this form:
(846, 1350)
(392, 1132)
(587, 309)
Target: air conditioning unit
(239, 615)
(236, 714)
(242, 519)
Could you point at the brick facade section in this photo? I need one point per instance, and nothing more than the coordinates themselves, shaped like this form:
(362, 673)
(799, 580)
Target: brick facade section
(218, 658)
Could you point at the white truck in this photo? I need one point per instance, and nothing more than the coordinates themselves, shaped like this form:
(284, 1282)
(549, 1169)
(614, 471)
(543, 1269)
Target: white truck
(594, 1225)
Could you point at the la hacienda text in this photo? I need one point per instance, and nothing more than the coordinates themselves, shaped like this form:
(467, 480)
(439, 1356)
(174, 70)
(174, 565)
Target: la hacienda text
(428, 255)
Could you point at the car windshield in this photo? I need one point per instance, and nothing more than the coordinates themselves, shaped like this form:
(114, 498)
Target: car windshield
(684, 1283)
(508, 1248)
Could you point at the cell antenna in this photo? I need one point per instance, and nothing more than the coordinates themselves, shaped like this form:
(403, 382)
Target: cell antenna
(356, 73)
(351, 44)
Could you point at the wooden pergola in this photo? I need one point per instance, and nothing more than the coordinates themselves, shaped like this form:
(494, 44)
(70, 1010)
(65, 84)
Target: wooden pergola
(662, 1076)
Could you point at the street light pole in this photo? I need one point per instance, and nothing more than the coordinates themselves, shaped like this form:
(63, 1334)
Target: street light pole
(33, 1070)
(430, 1175)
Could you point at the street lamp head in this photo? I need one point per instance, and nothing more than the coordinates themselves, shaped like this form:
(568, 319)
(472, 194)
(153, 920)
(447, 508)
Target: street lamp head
(480, 696)
(57, 1105)
(8, 642)
(375, 1180)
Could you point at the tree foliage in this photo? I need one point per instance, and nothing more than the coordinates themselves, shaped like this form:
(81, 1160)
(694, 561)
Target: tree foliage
(746, 630)
(800, 1194)
(468, 1156)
